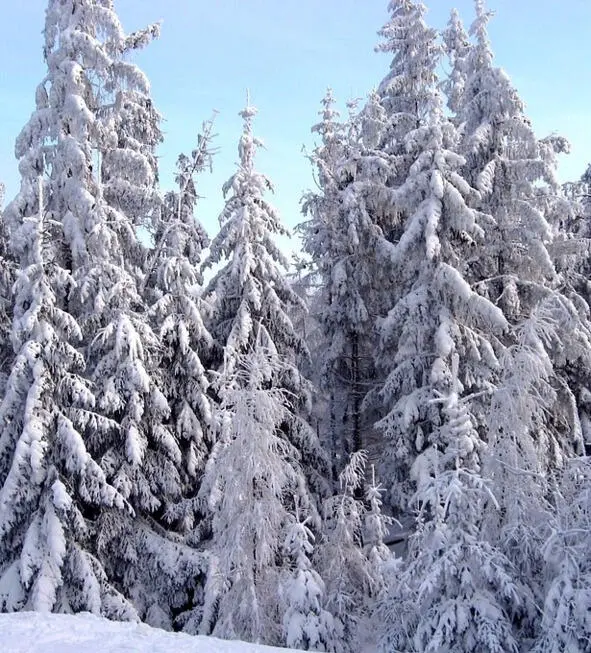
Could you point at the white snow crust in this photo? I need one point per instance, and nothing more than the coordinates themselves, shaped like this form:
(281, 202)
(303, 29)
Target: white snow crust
(33, 632)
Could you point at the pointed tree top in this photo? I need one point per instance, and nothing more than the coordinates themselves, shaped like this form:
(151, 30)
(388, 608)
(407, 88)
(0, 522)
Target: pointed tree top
(329, 115)
(248, 143)
(457, 45)
(481, 9)
(455, 36)
(480, 24)
(395, 5)
(328, 112)
(328, 96)
(248, 113)
(481, 55)
(413, 44)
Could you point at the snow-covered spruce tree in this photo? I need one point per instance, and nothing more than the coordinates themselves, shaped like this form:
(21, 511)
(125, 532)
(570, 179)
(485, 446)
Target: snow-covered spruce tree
(306, 320)
(440, 342)
(140, 452)
(454, 591)
(306, 624)
(523, 488)
(343, 236)
(177, 312)
(516, 176)
(548, 338)
(78, 128)
(51, 485)
(340, 237)
(128, 164)
(506, 163)
(256, 491)
(566, 625)
(316, 235)
(251, 298)
(571, 248)
(84, 109)
(242, 291)
(571, 254)
(433, 310)
(457, 45)
(179, 216)
(351, 554)
(402, 94)
(144, 461)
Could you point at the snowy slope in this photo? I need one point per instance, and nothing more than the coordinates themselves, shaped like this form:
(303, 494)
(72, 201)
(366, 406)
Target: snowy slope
(31, 632)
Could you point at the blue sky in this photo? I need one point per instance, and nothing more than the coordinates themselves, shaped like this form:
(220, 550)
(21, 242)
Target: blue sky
(287, 52)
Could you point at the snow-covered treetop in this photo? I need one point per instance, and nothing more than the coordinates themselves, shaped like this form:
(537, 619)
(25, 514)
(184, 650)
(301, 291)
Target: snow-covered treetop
(488, 89)
(321, 207)
(92, 133)
(251, 290)
(328, 125)
(327, 155)
(246, 203)
(416, 53)
(479, 30)
(457, 46)
(179, 234)
(495, 126)
(514, 172)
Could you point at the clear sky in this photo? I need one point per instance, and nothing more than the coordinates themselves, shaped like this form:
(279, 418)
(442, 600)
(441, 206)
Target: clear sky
(287, 52)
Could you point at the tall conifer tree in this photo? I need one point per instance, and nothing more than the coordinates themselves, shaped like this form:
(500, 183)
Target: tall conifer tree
(340, 238)
(441, 341)
(178, 313)
(251, 298)
(530, 433)
(91, 139)
(257, 495)
(51, 485)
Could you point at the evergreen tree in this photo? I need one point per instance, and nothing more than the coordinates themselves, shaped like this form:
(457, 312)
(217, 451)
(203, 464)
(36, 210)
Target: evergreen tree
(51, 485)
(351, 555)
(435, 312)
(255, 488)
(340, 237)
(91, 137)
(441, 342)
(250, 289)
(548, 338)
(307, 626)
(457, 46)
(570, 250)
(405, 89)
(128, 164)
(251, 298)
(177, 312)
(455, 591)
(504, 162)
(523, 488)
(317, 233)
(565, 623)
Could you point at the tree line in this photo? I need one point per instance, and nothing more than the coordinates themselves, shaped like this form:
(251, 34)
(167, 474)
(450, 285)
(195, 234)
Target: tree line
(195, 435)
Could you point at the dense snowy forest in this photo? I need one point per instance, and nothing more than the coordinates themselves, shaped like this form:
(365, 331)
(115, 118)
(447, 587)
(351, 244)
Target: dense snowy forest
(381, 445)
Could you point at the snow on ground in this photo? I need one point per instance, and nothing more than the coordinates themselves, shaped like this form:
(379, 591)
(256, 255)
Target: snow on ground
(32, 632)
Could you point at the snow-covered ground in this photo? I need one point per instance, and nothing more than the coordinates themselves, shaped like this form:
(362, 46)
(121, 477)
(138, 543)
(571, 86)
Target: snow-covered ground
(31, 632)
